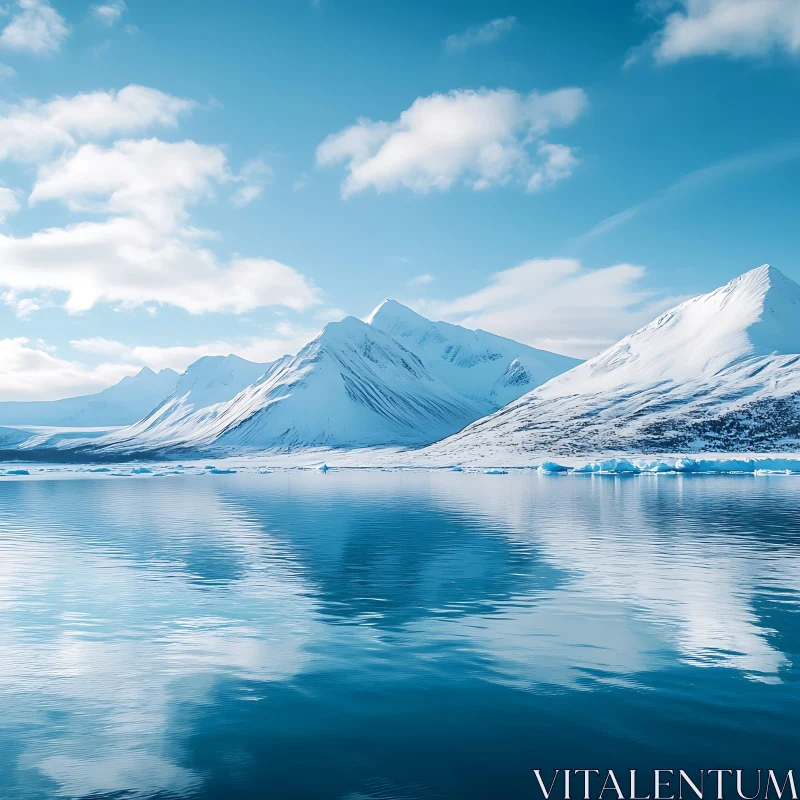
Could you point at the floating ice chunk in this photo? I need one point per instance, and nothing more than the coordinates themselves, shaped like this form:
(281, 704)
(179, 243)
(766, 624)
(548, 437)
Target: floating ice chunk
(17, 472)
(141, 471)
(218, 471)
(495, 472)
(100, 469)
(550, 467)
(619, 466)
(323, 468)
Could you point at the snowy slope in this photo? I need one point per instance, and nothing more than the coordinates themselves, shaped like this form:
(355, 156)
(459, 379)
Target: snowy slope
(718, 372)
(206, 383)
(352, 386)
(121, 404)
(488, 370)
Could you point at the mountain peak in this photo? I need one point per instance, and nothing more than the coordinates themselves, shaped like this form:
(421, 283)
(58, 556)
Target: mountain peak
(391, 309)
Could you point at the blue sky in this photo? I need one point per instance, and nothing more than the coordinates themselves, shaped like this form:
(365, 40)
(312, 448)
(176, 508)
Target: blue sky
(188, 178)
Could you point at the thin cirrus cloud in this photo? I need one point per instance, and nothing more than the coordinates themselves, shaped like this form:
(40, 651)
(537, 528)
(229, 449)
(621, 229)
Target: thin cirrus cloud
(734, 28)
(477, 35)
(35, 27)
(557, 304)
(480, 138)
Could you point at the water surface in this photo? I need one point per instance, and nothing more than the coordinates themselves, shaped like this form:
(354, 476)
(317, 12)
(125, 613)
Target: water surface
(391, 635)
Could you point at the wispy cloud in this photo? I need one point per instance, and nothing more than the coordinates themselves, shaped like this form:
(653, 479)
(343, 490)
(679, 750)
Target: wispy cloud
(477, 35)
(422, 280)
(109, 13)
(285, 339)
(557, 304)
(748, 162)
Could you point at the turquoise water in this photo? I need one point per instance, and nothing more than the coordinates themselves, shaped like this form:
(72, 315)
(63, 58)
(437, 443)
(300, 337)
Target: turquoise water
(392, 635)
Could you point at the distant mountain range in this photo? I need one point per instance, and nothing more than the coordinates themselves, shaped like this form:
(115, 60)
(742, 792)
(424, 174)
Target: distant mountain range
(718, 372)
(121, 404)
(398, 379)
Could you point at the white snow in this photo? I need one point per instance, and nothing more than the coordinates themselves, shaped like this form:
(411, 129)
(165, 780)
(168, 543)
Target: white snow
(392, 459)
(121, 404)
(353, 386)
(718, 372)
(489, 370)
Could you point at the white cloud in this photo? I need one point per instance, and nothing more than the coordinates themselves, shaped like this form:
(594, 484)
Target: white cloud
(6, 72)
(253, 175)
(737, 28)
(36, 28)
(421, 280)
(487, 33)
(9, 203)
(150, 179)
(28, 371)
(755, 160)
(286, 339)
(147, 251)
(130, 262)
(34, 130)
(556, 304)
(557, 163)
(109, 13)
(483, 138)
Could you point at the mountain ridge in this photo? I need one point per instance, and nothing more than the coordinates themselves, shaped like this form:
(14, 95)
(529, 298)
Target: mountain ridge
(719, 371)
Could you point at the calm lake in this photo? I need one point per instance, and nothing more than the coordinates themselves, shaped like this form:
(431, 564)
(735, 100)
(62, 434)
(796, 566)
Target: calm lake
(368, 635)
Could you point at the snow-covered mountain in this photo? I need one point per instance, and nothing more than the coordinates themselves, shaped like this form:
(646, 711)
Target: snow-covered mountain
(354, 385)
(206, 383)
(488, 370)
(121, 404)
(718, 372)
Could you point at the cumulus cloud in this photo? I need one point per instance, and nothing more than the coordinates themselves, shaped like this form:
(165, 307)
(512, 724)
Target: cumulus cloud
(476, 35)
(130, 262)
(736, 28)
(9, 203)
(30, 371)
(148, 178)
(557, 162)
(34, 130)
(557, 304)
(109, 13)
(483, 138)
(36, 27)
(146, 251)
